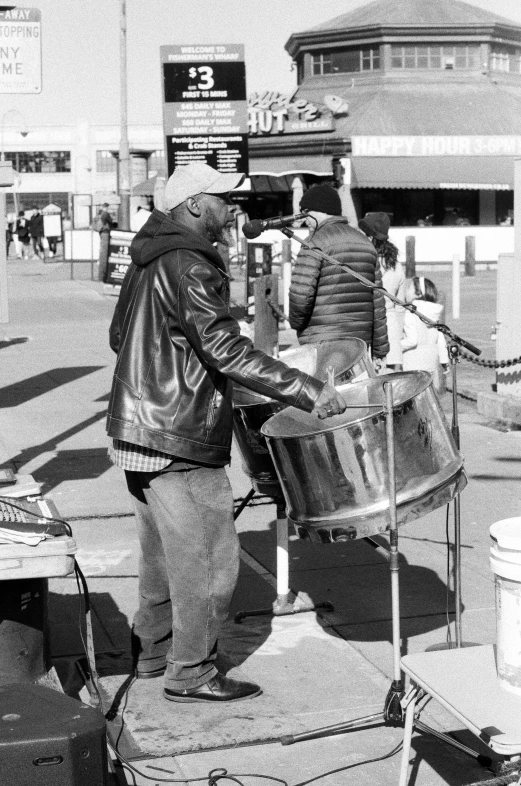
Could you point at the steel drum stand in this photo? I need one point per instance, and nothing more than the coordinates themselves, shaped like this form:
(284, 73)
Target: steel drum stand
(455, 342)
(393, 713)
(283, 605)
(396, 702)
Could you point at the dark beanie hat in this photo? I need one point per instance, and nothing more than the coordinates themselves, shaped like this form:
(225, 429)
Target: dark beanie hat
(323, 198)
(375, 225)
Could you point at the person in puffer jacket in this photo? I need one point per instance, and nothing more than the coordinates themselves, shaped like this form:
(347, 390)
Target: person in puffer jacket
(326, 302)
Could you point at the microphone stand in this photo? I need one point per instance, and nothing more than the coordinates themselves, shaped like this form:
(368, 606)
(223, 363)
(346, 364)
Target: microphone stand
(394, 704)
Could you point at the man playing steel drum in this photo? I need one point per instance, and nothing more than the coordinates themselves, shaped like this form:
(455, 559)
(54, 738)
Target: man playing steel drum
(170, 417)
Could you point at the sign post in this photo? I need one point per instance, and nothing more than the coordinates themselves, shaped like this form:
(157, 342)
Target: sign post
(21, 50)
(205, 109)
(6, 179)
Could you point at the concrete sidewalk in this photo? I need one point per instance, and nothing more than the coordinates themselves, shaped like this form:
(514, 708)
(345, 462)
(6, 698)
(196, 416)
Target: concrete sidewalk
(57, 370)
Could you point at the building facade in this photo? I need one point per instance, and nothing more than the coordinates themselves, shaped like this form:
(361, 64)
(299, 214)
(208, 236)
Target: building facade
(406, 107)
(428, 100)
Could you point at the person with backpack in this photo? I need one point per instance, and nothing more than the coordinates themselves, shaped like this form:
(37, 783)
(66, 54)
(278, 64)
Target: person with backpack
(376, 227)
(424, 348)
(22, 232)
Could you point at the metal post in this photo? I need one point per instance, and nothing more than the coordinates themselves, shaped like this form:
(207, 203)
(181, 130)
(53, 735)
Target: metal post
(393, 530)
(286, 277)
(124, 152)
(4, 300)
(470, 255)
(266, 324)
(6, 179)
(453, 354)
(410, 256)
(455, 286)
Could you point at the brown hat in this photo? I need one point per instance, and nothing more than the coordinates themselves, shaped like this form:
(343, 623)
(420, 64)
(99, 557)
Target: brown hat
(375, 225)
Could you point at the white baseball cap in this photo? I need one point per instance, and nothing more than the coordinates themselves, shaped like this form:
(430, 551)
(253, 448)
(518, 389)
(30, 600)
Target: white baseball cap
(198, 178)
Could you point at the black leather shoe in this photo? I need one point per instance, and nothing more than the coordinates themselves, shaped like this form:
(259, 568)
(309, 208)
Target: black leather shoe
(219, 688)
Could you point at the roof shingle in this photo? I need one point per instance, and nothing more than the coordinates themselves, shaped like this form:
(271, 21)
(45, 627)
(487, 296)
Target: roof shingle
(415, 13)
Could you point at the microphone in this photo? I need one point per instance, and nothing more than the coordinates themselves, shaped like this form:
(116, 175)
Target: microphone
(254, 228)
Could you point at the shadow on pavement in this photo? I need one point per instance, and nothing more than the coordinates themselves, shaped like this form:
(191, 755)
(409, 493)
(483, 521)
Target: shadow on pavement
(356, 580)
(27, 389)
(67, 636)
(9, 342)
(82, 464)
(28, 454)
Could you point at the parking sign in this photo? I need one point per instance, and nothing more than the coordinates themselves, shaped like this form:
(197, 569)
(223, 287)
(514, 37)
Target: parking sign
(20, 50)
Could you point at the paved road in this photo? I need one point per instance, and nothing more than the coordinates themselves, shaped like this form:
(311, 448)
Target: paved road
(57, 367)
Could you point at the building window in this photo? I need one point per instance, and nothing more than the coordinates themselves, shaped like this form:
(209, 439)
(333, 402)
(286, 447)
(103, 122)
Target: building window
(345, 61)
(156, 163)
(321, 64)
(106, 161)
(43, 161)
(506, 59)
(431, 56)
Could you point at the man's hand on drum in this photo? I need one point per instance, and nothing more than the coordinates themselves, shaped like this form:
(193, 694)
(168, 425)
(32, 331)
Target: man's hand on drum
(330, 402)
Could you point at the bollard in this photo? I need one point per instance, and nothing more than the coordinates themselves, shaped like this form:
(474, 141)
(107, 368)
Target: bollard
(243, 248)
(455, 286)
(286, 278)
(410, 256)
(470, 255)
(266, 322)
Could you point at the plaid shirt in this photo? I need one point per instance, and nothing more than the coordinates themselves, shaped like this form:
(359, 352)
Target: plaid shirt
(137, 458)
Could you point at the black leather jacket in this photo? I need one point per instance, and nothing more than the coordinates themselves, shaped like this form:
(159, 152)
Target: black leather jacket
(179, 348)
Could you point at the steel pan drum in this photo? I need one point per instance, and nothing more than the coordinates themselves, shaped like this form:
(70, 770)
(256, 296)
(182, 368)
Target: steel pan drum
(334, 473)
(350, 360)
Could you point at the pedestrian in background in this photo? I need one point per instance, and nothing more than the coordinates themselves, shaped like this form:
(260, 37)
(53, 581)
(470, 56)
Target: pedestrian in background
(424, 348)
(8, 235)
(36, 232)
(103, 223)
(376, 227)
(327, 303)
(12, 219)
(22, 231)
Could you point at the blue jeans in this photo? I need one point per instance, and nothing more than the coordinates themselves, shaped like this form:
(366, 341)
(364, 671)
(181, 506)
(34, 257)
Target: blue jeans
(188, 569)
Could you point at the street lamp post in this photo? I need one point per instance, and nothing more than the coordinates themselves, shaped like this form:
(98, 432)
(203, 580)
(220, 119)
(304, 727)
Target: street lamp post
(124, 151)
(23, 131)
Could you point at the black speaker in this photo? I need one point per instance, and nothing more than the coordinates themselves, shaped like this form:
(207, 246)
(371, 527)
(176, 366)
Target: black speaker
(50, 739)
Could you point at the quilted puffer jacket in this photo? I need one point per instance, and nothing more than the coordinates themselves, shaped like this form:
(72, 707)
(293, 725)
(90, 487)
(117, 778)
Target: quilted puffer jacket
(326, 303)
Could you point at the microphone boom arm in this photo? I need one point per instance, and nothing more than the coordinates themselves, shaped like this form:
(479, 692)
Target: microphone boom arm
(441, 326)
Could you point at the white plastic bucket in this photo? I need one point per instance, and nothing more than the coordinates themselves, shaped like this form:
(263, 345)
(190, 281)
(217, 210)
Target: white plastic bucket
(505, 561)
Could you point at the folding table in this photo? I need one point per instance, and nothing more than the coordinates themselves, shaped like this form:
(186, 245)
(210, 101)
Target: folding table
(465, 682)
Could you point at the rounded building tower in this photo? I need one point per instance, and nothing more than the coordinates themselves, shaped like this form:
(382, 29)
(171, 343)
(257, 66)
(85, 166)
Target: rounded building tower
(426, 103)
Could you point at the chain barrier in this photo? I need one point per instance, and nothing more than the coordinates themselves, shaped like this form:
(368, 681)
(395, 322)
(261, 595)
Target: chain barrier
(278, 312)
(490, 363)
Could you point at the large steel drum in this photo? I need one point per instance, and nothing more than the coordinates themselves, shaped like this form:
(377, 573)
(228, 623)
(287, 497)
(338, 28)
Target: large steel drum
(350, 361)
(334, 473)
